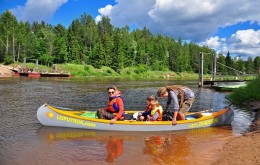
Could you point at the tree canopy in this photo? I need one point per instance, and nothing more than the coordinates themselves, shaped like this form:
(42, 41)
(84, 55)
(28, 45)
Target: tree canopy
(102, 44)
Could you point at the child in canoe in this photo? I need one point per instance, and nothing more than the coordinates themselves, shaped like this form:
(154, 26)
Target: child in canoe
(153, 110)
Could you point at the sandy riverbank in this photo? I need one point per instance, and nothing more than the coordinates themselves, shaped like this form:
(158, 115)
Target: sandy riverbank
(243, 150)
(5, 71)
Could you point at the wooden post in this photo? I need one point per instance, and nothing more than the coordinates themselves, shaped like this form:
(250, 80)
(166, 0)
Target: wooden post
(214, 69)
(201, 70)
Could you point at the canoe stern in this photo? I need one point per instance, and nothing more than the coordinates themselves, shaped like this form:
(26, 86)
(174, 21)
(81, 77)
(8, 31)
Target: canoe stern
(225, 118)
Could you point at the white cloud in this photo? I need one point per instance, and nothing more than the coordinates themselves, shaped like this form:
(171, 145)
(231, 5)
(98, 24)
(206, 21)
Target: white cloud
(37, 10)
(243, 42)
(213, 42)
(98, 18)
(194, 20)
(104, 11)
(129, 12)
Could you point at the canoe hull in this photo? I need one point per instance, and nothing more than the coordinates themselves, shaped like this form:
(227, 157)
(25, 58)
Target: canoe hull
(50, 116)
(228, 86)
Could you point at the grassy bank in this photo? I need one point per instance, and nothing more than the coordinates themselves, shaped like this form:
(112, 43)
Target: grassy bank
(141, 71)
(132, 72)
(249, 93)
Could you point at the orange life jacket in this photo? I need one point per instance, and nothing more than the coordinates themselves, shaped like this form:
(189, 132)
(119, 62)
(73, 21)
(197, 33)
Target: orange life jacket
(159, 110)
(112, 105)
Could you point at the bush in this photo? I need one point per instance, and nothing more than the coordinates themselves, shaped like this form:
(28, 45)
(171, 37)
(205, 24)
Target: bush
(87, 68)
(8, 60)
(141, 69)
(109, 71)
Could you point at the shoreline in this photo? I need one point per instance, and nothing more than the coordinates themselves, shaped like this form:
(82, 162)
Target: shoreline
(245, 149)
(78, 70)
(5, 71)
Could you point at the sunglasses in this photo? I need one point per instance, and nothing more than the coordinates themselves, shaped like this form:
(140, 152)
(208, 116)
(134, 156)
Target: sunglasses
(111, 92)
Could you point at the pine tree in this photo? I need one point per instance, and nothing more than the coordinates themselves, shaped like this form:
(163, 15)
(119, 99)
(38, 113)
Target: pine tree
(8, 37)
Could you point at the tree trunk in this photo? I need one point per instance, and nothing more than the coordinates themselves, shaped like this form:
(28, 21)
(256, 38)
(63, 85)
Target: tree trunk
(18, 52)
(13, 48)
(6, 46)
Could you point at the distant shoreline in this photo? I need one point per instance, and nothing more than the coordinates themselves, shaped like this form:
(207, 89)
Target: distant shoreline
(130, 72)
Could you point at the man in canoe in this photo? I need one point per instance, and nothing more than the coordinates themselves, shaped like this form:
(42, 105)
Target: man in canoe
(182, 98)
(115, 106)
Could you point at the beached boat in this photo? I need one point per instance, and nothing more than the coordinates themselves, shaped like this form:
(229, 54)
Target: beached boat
(228, 86)
(63, 117)
(38, 74)
(30, 74)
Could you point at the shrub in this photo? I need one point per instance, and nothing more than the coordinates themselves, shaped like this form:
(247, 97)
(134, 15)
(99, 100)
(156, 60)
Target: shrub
(8, 60)
(141, 69)
(87, 68)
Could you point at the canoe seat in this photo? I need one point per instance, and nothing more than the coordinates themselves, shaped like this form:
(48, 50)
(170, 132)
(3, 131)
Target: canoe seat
(193, 116)
(206, 114)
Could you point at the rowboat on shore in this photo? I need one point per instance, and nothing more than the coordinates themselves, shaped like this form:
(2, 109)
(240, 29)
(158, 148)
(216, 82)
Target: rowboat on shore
(63, 117)
(29, 74)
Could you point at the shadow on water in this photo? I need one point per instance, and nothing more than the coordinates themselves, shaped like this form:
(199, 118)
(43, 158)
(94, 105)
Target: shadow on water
(24, 141)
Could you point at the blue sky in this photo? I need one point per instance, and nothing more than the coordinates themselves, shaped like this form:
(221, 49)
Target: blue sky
(232, 25)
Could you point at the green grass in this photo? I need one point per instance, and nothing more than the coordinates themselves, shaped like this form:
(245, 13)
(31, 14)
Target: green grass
(251, 92)
(140, 72)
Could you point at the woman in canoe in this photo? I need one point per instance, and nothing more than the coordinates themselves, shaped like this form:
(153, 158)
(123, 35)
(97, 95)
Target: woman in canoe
(182, 98)
(153, 110)
(115, 106)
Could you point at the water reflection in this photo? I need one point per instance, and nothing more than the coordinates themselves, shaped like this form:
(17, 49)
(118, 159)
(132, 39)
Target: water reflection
(22, 140)
(167, 149)
(114, 148)
(181, 147)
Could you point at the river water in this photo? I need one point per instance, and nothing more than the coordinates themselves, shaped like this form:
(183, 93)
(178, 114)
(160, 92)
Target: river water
(24, 141)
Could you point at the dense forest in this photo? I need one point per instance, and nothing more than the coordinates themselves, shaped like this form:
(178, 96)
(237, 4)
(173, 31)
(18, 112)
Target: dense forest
(101, 44)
